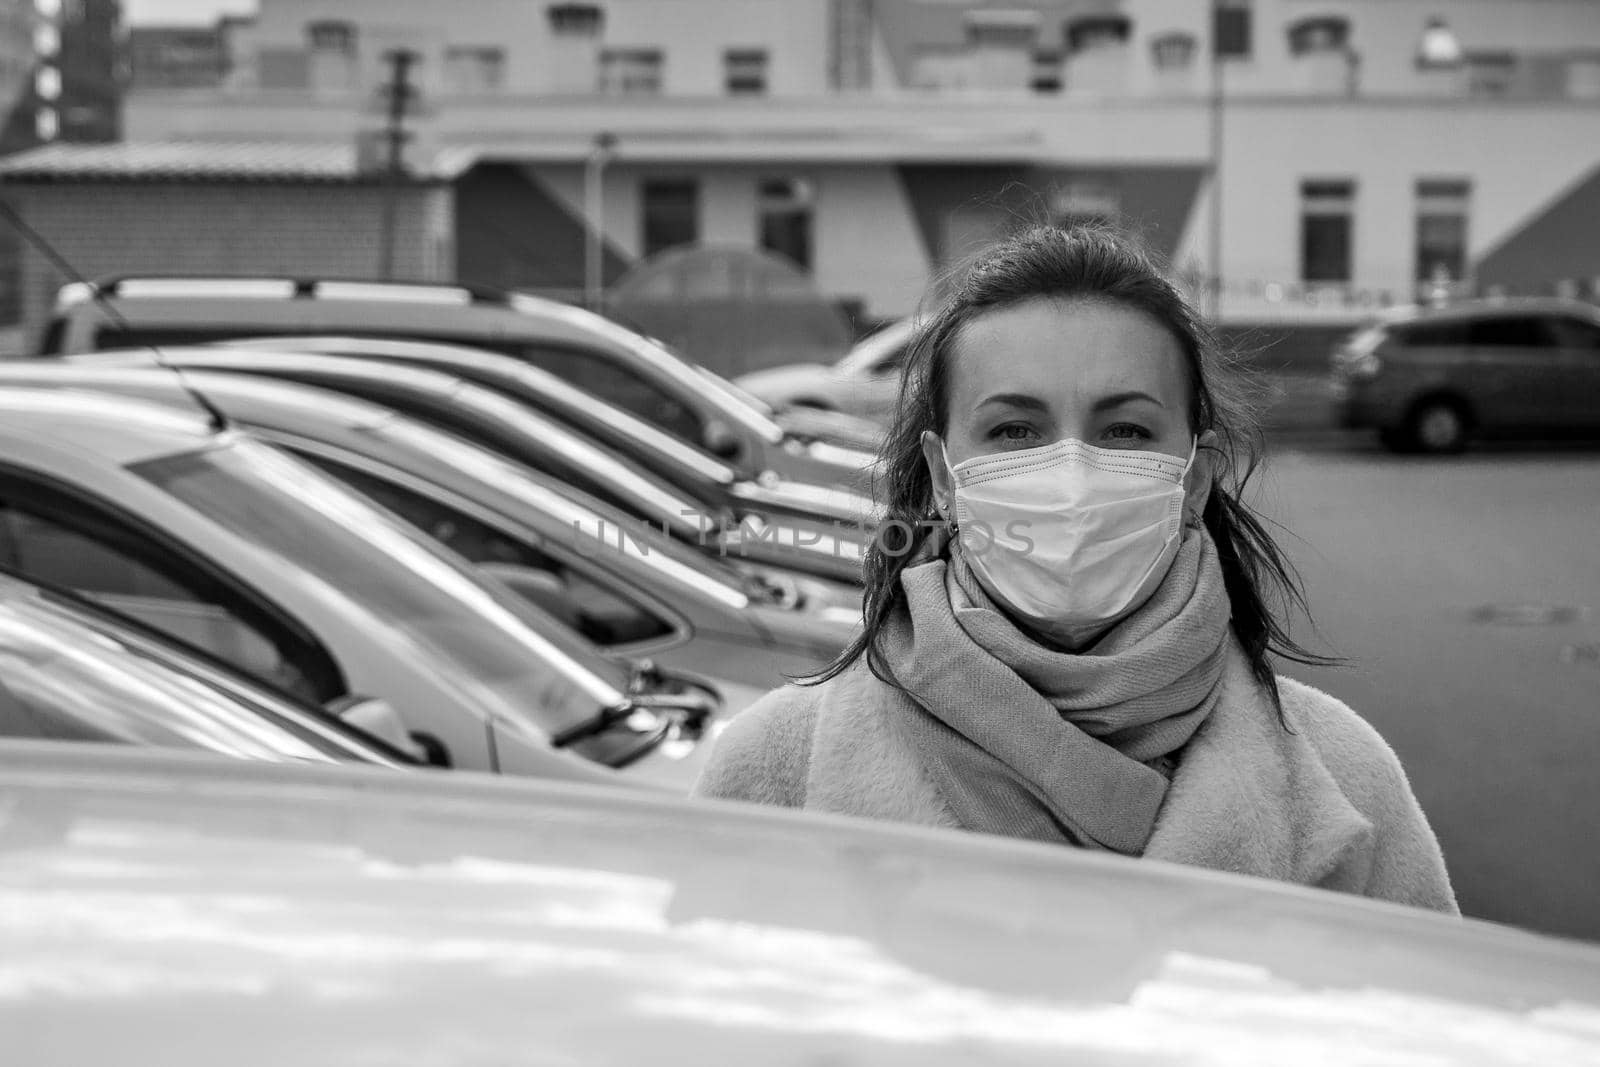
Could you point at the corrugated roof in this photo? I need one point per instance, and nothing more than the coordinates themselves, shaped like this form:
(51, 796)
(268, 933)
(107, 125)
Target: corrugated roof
(199, 161)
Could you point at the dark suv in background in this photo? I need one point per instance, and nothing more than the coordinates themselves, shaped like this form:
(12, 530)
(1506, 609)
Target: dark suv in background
(1430, 379)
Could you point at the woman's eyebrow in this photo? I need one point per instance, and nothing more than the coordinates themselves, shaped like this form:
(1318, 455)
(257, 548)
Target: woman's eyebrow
(1112, 400)
(1013, 400)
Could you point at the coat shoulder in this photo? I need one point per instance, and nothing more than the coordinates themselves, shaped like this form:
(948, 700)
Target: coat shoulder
(763, 754)
(1357, 756)
(1408, 866)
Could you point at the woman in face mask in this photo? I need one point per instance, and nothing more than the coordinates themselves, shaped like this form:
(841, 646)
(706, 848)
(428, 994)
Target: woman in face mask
(1066, 628)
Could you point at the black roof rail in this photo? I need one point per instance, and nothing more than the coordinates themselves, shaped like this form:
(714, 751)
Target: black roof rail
(304, 286)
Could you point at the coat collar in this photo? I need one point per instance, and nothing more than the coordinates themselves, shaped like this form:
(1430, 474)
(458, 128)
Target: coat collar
(1248, 796)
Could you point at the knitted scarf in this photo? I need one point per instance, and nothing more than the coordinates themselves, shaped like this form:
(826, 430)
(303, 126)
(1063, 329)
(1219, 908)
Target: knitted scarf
(1028, 741)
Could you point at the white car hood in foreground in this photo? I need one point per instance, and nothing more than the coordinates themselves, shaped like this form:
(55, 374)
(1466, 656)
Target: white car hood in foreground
(156, 909)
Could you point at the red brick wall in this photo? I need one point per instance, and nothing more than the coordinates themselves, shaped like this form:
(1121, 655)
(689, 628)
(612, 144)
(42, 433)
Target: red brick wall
(228, 229)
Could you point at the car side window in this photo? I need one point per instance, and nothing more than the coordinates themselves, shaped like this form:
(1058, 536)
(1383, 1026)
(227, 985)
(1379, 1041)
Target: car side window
(1432, 335)
(592, 609)
(1511, 331)
(109, 337)
(60, 539)
(619, 384)
(1575, 333)
(43, 720)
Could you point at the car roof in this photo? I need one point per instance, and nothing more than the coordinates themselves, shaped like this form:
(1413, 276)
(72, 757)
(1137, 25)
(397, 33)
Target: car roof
(389, 438)
(187, 297)
(181, 910)
(294, 403)
(567, 402)
(114, 429)
(618, 472)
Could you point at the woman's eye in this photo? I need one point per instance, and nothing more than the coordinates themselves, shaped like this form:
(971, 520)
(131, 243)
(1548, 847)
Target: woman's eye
(1013, 432)
(1126, 431)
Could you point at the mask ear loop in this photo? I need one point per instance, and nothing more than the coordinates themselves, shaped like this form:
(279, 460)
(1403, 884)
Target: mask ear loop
(947, 515)
(1192, 519)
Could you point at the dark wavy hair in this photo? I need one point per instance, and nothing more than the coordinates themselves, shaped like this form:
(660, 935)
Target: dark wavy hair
(1087, 263)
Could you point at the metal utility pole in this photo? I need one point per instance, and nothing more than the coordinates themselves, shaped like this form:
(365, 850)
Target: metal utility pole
(1214, 259)
(399, 93)
(595, 220)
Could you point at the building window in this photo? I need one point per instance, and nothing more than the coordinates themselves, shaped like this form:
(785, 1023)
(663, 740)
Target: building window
(1172, 51)
(745, 71)
(1327, 209)
(1490, 73)
(474, 70)
(1442, 208)
(1231, 29)
(785, 207)
(1097, 31)
(338, 38)
(671, 213)
(575, 20)
(47, 83)
(1324, 33)
(631, 71)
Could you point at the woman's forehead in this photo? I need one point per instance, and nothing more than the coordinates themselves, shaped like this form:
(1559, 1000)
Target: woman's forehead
(1065, 353)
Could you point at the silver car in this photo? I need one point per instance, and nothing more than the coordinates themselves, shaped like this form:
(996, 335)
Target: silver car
(233, 546)
(619, 583)
(191, 912)
(793, 540)
(70, 671)
(840, 497)
(864, 383)
(609, 360)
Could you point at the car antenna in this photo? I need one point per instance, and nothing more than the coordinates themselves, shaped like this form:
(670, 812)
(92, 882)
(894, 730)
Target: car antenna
(219, 421)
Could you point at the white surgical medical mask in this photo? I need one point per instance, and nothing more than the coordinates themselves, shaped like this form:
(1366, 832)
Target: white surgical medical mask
(1069, 537)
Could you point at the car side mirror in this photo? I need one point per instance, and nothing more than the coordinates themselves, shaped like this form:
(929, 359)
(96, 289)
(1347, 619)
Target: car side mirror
(721, 441)
(377, 717)
(543, 589)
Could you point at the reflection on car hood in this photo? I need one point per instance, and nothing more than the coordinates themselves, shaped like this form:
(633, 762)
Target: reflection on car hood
(188, 913)
(822, 502)
(831, 427)
(760, 382)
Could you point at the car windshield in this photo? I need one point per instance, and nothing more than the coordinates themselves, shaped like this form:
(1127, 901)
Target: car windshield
(490, 636)
(642, 544)
(689, 376)
(63, 678)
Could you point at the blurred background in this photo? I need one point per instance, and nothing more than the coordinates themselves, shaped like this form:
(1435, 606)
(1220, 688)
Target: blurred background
(764, 184)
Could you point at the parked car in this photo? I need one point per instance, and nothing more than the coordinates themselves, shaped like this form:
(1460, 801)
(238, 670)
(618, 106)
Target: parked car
(186, 911)
(231, 545)
(796, 540)
(70, 671)
(865, 383)
(621, 584)
(691, 469)
(1432, 379)
(604, 358)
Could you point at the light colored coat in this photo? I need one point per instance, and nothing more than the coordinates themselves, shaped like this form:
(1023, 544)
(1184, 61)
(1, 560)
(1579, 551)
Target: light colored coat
(1326, 805)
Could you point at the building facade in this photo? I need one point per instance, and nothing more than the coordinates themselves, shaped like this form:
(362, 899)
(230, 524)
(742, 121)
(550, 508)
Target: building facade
(1365, 151)
(176, 57)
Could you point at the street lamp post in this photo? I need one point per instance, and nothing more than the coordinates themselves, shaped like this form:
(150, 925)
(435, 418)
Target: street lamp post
(594, 222)
(1214, 244)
